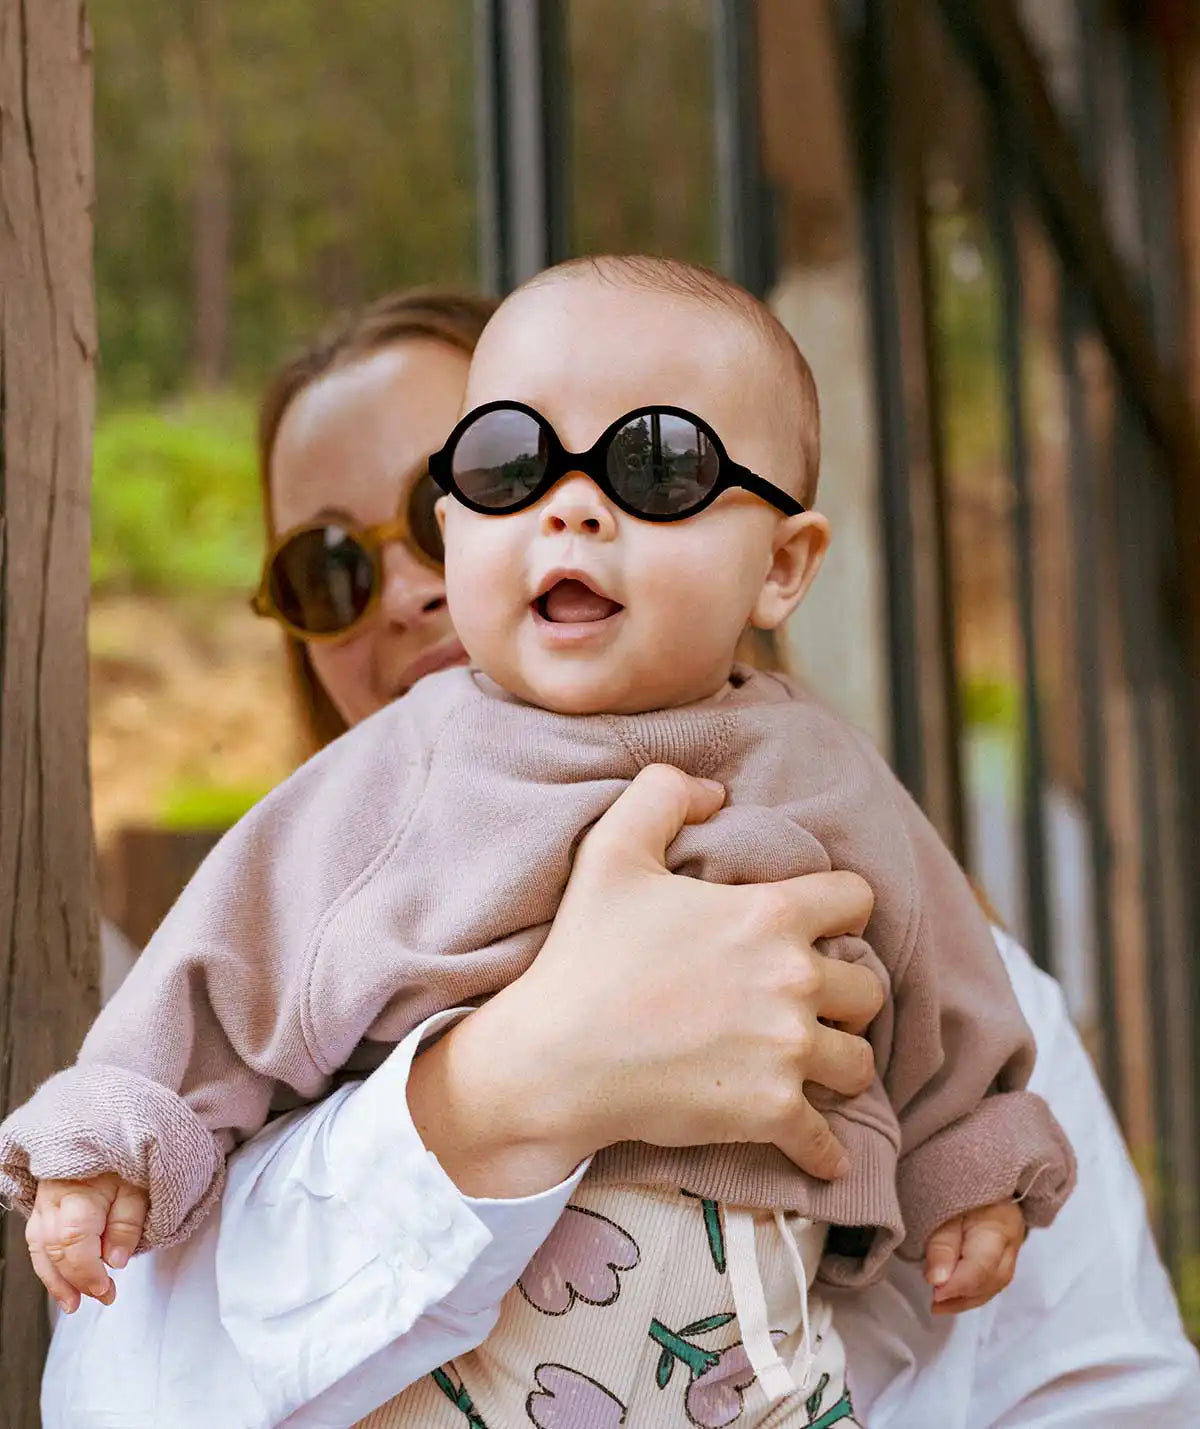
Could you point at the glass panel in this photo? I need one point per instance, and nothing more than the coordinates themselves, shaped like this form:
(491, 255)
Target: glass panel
(1065, 811)
(1126, 893)
(259, 167)
(837, 637)
(640, 184)
(1054, 31)
(965, 299)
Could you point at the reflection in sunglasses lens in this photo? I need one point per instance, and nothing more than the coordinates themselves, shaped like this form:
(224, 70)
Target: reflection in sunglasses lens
(662, 465)
(499, 459)
(322, 580)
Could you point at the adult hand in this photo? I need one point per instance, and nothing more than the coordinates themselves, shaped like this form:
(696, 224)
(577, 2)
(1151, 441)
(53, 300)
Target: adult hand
(661, 1009)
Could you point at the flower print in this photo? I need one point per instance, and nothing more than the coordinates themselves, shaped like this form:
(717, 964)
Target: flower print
(581, 1258)
(566, 1399)
(458, 1396)
(718, 1378)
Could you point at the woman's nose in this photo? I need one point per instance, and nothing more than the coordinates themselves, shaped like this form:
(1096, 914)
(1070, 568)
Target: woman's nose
(577, 507)
(412, 592)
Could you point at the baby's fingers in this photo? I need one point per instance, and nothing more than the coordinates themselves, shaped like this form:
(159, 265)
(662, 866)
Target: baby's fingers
(126, 1220)
(942, 1253)
(71, 1232)
(66, 1295)
(985, 1253)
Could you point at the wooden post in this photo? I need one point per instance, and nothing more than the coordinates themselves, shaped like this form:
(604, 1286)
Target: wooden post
(48, 962)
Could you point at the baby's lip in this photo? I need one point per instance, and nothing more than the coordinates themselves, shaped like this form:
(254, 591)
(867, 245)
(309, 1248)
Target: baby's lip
(565, 573)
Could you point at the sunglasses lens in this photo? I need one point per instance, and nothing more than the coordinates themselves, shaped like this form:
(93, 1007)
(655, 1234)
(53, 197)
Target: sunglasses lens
(322, 580)
(422, 519)
(662, 465)
(499, 459)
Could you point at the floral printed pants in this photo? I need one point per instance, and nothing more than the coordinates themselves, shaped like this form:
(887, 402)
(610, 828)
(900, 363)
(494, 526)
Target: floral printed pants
(626, 1316)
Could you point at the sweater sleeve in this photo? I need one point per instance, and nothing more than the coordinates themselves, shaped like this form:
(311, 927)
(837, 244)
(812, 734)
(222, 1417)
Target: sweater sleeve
(962, 1054)
(208, 1028)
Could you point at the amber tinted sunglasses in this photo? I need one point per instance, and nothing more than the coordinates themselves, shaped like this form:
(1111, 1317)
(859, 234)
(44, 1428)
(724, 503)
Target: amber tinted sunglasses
(320, 580)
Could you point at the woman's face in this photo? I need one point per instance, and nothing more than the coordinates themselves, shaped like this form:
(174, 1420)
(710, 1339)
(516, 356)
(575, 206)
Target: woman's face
(350, 446)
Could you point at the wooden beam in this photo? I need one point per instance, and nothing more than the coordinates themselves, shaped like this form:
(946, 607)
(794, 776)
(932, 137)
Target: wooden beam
(48, 962)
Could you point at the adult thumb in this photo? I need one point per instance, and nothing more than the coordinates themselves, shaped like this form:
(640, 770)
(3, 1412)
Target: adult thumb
(637, 829)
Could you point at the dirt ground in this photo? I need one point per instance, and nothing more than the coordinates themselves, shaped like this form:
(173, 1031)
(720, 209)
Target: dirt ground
(187, 694)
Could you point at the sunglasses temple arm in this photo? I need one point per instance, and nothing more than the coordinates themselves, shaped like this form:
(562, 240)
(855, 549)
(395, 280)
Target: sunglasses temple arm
(769, 492)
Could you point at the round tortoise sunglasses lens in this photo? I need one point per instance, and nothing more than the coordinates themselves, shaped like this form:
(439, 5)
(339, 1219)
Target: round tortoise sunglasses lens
(322, 580)
(422, 520)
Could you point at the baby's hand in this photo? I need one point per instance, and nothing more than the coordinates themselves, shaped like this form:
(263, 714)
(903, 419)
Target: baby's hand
(972, 1258)
(77, 1226)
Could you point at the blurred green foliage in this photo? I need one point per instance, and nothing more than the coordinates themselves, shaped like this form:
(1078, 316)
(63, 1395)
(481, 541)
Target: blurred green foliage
(175, 497)
(323, 153)
(189, 806)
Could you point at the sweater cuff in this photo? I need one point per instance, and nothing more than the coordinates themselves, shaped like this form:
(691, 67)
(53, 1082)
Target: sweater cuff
(1010, 1148)
(95, 1118)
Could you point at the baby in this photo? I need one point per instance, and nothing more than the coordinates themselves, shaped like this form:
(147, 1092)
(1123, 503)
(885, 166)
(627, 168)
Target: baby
(628, 491)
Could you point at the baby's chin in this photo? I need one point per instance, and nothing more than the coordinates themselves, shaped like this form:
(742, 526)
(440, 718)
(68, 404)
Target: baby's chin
(587, 687)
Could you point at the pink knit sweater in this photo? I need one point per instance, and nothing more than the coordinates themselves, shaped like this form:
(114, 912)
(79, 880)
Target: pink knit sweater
(416, 864)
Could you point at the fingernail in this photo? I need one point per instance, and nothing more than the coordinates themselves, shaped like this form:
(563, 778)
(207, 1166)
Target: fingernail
(940, 1275)
(118, 1259)
(714, 785)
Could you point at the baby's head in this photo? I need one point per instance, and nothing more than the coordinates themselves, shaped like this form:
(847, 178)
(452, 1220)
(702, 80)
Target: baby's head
(572, 603)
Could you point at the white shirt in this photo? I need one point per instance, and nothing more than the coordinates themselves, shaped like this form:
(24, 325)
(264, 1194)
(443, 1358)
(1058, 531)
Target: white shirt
(344, 1265)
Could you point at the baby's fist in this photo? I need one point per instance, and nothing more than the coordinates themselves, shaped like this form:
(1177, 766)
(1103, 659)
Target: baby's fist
(972, 1257)
(76, 1227)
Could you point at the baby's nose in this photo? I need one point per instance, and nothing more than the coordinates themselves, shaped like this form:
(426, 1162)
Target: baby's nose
(578, 507)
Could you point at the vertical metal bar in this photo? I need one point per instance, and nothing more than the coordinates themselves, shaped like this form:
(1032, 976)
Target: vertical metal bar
(491, 125)
(1083, 501)
(870, 92)
(1156, 188)
(521, 129)
(1004, 197)
(1136, 553)
(743, 242)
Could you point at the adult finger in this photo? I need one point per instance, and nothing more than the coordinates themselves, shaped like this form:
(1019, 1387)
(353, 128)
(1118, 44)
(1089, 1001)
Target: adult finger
(851, 995)
(840, 1062)
(812, 1146)
(126, 1219)
(942, 1252)
(829, 904)
(646, 817)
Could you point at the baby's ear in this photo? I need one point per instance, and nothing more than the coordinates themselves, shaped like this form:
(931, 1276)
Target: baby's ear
(439, 511)
(799, 548)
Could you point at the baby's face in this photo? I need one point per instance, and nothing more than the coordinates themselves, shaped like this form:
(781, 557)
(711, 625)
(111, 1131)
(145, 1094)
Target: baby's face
(646, 615)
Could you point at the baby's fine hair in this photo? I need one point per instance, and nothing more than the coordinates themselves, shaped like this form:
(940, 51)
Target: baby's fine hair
(802, 414)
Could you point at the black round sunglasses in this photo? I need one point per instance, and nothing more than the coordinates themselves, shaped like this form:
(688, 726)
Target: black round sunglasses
(655, 463)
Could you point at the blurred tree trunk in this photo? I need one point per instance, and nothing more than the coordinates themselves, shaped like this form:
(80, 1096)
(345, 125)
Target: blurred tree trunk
(212, 197)
(48, 965)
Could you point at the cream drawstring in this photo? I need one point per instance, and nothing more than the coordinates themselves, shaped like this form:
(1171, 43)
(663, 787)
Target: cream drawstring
(749, 1301)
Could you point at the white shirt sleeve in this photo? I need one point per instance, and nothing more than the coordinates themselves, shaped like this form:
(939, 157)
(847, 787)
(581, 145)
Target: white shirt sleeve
(343, 1265)
(1087, 1336)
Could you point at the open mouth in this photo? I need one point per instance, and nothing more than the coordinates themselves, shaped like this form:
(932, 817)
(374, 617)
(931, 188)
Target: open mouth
(571, 601)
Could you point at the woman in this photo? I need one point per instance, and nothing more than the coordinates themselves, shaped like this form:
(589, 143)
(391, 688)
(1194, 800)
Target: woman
(348, 1260)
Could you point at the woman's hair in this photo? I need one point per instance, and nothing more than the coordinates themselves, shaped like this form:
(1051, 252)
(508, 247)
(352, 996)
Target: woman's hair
(453, 318)
(456, 319)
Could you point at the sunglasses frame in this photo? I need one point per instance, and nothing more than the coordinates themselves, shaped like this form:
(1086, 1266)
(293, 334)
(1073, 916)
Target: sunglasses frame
(372, 539)
(592, 463)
